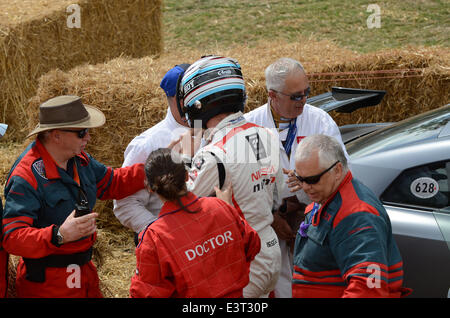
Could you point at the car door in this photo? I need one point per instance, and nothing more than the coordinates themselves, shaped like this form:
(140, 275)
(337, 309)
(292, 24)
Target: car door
(417, 202)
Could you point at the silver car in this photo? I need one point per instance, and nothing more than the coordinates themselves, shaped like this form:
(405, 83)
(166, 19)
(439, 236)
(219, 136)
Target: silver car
(407, 165)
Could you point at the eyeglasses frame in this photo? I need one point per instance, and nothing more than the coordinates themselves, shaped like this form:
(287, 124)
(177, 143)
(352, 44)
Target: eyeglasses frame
(312, 179)
(296, 97)
(80, 133)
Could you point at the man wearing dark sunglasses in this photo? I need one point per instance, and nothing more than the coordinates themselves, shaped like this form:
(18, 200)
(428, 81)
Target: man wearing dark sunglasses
(345, 243)
(51, 182)
(292, 118)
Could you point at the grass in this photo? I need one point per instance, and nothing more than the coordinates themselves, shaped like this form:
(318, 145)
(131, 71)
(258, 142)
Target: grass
(212, 23)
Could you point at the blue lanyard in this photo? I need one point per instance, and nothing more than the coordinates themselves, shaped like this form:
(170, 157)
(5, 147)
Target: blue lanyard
(304, 226)
(291, 136)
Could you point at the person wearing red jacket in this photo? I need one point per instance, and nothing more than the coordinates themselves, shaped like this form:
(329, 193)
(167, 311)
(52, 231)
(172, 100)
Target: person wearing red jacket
(48, 184)
(345, 247)
(197, 247)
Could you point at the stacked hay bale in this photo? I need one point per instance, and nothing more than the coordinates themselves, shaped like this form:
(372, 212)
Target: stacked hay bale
(416, 79)
(39, 35)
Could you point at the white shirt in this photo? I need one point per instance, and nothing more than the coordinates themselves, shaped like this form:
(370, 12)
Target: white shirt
(312, 121)
(138, 210)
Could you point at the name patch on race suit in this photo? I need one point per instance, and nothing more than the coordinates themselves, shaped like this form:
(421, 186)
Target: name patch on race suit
(39, 167)
(424, 187)
(257, 146)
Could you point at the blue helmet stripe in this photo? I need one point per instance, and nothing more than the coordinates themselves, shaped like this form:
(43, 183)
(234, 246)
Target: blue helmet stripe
(206, 69)
(215, 90)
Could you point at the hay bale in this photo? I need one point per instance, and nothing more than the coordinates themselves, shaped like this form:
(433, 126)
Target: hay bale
(35, 38)
(416, 80)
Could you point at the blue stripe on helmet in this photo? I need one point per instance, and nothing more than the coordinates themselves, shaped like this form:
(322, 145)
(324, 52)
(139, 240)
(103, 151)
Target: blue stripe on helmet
(206, 69)
(215, 90)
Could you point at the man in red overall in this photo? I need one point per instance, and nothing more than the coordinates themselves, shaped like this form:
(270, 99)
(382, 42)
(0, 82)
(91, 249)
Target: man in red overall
(50, 180)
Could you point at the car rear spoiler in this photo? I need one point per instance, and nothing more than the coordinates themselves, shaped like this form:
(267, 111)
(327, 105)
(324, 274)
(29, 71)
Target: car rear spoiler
(346, 100)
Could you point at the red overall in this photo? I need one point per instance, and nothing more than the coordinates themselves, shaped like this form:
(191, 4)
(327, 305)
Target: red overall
(39, 196)
(202, 254)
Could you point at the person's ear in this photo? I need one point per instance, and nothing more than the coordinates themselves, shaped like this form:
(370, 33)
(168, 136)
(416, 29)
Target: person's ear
(55, 135)
(272, 94)
(339, 170)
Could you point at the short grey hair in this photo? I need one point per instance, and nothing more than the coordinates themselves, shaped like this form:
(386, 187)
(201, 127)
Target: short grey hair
(329, 151)
(277, 72)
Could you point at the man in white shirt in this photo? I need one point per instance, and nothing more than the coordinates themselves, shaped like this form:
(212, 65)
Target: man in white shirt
(292, 119)
(138, 210)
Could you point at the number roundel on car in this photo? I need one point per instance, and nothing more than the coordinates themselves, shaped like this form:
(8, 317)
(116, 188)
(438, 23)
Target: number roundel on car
(424, 187)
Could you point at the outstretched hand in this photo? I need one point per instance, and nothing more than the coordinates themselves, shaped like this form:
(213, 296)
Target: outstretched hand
(226, 194)
(292, 182)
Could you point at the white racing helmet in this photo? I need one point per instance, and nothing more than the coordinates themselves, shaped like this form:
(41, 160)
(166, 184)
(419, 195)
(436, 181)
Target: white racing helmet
(212, 85)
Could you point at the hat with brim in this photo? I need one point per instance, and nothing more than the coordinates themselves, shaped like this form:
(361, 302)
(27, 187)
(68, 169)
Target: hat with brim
(67, 112)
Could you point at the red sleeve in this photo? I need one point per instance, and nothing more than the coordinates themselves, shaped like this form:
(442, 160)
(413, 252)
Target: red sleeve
(20, 238)
(121, 182)
(150, 279)
(367, 280)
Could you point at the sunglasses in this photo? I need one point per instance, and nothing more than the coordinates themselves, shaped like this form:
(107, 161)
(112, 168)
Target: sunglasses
(314, 179)
(80, 133)
(296, 97)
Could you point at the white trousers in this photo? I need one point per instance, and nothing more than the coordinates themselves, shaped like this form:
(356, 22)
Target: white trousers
(265, 268)
(283, 287)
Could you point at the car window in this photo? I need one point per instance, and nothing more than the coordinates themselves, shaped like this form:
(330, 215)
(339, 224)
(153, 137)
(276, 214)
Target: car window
(425, 186)
(418, 128)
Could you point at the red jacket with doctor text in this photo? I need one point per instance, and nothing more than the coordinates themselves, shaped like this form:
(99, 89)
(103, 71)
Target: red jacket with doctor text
(202, 254)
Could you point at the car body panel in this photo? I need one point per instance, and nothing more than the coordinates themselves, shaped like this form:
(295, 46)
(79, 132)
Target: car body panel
(390, 163)
(353, 132)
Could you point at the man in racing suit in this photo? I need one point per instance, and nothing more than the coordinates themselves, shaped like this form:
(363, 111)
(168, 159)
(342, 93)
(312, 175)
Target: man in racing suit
(51, 178)
(238, 153)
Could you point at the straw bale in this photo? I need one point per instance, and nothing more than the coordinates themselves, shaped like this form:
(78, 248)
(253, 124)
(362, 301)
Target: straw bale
(35, 38)
(408, 93)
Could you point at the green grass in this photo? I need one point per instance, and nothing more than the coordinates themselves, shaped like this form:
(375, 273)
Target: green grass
(211, 23)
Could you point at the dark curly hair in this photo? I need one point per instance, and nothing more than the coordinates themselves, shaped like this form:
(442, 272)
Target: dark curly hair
(166, 175)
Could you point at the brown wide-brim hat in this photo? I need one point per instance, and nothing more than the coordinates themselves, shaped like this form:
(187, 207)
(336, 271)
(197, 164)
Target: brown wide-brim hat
(67, 112)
